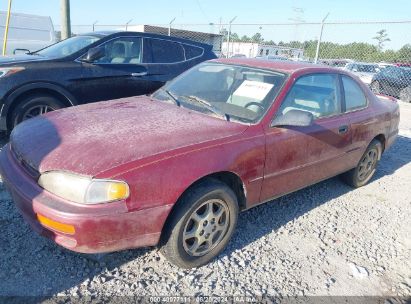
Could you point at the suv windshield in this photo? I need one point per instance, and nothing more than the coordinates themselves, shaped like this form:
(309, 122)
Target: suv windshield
(67, 47)
(227, 91)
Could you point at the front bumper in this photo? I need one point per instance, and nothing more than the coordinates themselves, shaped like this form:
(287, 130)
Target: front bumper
(98, 228)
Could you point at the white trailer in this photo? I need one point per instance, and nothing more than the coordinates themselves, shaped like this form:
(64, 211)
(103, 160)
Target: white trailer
(26, 32)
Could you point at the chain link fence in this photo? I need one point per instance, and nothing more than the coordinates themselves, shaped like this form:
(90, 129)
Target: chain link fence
(378, 52)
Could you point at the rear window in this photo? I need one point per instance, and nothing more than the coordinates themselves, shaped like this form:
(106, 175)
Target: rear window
(164, 51)
(192, 51)
(354, 96)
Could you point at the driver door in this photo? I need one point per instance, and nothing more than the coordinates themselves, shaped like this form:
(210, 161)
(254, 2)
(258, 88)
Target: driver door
(120, 73)
(300, 156)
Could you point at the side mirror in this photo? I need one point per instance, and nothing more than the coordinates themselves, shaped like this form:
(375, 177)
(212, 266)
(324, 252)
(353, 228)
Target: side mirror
(297, 118)
(94, 54)
(21, 51)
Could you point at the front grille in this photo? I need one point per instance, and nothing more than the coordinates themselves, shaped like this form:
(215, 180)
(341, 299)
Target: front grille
(32, 172)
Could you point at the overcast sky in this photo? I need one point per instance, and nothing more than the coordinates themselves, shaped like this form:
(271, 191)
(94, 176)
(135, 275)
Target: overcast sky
(85, 12)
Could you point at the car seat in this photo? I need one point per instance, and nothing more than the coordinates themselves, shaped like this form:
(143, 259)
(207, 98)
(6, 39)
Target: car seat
(118, 53)
(135, 53)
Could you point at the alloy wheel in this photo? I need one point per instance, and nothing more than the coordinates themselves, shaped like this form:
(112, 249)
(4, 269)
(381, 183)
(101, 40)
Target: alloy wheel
(36, 111)
(206, 227)
(367, 164)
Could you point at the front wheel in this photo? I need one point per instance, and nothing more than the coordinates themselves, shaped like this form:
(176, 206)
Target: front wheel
(361, 175)
(201, 225)
(34, 105)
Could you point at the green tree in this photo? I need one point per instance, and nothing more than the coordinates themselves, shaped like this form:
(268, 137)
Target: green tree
(381, 38)
(257, 38)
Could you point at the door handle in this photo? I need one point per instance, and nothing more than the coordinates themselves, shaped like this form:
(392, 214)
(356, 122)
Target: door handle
(343, 129)
(139, 74)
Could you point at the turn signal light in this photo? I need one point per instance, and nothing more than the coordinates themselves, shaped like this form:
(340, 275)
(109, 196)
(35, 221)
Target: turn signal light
(60, 227)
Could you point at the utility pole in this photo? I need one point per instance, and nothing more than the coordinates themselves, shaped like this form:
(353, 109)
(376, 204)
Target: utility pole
(65, 19)
(228, 36)
(317, 52)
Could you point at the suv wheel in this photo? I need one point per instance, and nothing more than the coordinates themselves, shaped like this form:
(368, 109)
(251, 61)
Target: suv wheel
(405, 94)
(201, 225)
(361, 175)
(33, 106)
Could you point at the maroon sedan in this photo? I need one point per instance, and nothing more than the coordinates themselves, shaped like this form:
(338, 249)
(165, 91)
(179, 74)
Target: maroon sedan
(174, 169)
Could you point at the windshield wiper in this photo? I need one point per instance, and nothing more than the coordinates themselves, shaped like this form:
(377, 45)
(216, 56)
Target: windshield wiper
(177, 102)
(208, 106)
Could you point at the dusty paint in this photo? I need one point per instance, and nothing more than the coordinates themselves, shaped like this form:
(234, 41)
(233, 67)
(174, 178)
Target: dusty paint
(160, 150)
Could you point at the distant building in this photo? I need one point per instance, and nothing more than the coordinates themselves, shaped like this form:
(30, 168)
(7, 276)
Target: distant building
(209, 38)
(253, 49)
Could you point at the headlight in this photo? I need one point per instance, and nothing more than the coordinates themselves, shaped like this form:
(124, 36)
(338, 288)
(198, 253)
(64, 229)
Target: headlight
(82, 189)
(8, 71)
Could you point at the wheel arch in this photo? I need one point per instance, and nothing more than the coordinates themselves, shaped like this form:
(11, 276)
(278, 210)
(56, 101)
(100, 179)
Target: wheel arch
(23, 92)
(232, 180)
(381, 138)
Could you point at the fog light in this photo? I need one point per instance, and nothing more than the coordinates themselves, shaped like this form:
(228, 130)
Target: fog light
(60, 227)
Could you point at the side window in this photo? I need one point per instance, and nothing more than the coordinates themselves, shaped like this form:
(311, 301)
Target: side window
(316, 93)
(192, 51)
(353, 94)
(124, 50)
(164, 51)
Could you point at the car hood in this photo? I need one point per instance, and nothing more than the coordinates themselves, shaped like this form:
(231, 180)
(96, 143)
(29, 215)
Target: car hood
(93, 138)
(21, 59)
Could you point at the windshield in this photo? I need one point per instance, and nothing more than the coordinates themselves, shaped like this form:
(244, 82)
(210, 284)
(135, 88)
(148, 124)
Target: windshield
(67, 47)
(227, 91)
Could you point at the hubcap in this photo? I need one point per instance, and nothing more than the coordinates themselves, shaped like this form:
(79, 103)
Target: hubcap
(36, 111)
(206, 227)
(367, 164)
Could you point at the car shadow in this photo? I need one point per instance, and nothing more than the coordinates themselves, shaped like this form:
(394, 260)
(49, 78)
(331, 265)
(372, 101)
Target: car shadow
(32, 263)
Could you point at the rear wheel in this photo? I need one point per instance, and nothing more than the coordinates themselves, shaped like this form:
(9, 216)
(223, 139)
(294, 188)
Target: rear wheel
(361, 175)
(201, 225)
(33, 106)
(405, 94)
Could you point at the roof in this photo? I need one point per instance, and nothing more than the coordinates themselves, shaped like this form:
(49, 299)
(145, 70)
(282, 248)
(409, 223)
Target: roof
(102, 34)
(288, 67)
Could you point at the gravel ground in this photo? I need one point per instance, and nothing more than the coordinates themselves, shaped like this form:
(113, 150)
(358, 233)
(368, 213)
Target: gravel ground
(327, 239)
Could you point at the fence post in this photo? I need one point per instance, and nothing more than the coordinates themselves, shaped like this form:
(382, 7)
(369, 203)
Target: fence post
(6, 29)
(169, 25)
(317, 51)
(228, 36)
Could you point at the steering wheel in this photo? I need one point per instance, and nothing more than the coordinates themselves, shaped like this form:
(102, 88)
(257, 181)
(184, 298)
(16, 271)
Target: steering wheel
(253, 103)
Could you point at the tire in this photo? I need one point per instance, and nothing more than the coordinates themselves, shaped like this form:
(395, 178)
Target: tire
(376, 87)
(32, 105)
(405, 94)
(181, 232)
(366, 167)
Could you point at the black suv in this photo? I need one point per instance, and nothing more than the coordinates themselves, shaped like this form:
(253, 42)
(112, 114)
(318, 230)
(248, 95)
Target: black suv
(91, 67)
(393, 81)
